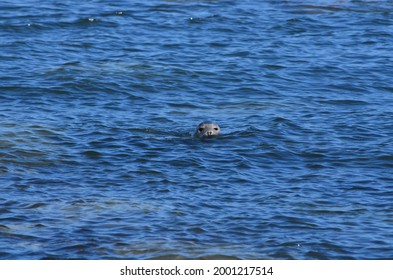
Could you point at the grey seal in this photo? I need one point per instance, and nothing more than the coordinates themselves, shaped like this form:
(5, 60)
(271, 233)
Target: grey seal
(207, 129)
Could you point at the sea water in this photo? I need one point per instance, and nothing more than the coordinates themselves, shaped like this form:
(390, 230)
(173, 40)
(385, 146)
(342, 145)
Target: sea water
(99, 101)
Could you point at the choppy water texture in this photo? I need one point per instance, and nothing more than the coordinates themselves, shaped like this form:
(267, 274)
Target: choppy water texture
(99, 100)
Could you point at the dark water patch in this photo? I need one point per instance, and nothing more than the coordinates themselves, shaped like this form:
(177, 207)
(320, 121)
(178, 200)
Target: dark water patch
(4, 228)
(92, 154)
(35, 205)
(346, 102)
(3, 169)
(218, 257)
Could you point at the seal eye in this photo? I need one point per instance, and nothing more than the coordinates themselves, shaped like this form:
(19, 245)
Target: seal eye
(200, 129)
(216, 128)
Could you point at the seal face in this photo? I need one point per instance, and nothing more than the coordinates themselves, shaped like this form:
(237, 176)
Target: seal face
(207, 129)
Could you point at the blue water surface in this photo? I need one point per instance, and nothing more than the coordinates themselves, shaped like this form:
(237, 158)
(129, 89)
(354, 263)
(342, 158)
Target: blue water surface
(98, 104)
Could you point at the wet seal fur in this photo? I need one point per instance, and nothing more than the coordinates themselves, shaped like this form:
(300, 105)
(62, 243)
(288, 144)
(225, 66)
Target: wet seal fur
(207, 129)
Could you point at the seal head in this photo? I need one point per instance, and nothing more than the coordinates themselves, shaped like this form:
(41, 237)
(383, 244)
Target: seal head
(207, 129)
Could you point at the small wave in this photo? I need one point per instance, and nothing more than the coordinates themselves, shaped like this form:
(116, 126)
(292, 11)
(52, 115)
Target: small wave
(35, 205)
(202, 19)
(344, 102)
